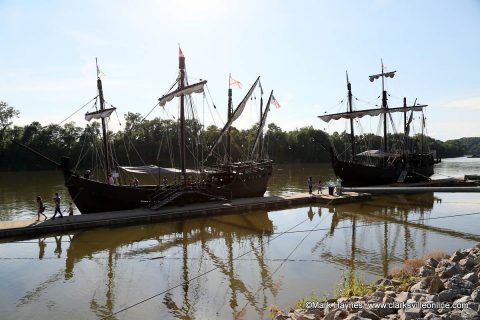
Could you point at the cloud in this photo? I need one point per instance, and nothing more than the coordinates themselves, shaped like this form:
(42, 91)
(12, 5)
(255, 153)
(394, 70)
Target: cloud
(466, 103)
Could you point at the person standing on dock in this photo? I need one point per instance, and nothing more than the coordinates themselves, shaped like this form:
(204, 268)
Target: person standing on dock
(319, 186)
(70, 209)
(41, 208)
(310, 184)
(56, 200)
(339, 186)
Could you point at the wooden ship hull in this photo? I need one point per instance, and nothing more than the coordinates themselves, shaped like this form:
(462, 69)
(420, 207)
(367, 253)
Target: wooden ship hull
(358, 174)
(243, 180)
(355, 174)
(90, 196)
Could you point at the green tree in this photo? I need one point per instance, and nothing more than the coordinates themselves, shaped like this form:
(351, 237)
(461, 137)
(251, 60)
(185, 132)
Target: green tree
(7, 113)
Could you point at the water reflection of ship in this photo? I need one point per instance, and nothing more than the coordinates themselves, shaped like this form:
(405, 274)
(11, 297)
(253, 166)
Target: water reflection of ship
(376, 233)
(389, 221)
(181, 234)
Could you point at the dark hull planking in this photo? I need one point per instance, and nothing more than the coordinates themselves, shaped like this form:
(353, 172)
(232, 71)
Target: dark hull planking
(357, 174)
(92, 196)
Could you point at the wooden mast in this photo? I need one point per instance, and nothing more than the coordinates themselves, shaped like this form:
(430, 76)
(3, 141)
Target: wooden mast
(384, 105)
(350, 109)
(384, 102)
(405, 139)
(181, 83)
(260, 149)
(229, 114)
(104, 125)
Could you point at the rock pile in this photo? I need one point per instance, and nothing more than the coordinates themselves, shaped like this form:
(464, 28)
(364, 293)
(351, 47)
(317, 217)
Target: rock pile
(446, 289)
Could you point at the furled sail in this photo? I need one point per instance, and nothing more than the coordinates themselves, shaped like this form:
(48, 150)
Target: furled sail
(236, 114)
(187, 90)
(369, 112)
(238, 111)
(374, 154)
(262, 124)
(152, 169)
(385, 74)
(105, 113)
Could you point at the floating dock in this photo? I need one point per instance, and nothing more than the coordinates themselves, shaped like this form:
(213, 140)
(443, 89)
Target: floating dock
(30, 228)
(398, 190)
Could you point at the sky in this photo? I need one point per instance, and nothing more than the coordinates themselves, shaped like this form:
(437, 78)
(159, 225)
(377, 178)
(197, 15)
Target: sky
(301, 49)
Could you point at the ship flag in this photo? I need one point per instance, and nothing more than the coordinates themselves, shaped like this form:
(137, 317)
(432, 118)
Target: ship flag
(275, 102)
(235, 83)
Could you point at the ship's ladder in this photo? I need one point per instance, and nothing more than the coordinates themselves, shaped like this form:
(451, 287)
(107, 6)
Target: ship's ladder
(174, 195)
(403, 174)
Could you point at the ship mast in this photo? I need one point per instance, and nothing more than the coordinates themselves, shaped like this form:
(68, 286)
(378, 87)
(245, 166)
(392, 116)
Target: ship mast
(405, 133)
(230, 111)
(260, 146)
(350, 109)
(104, 125)
(181, 84)
(384, 105)
(384, 101)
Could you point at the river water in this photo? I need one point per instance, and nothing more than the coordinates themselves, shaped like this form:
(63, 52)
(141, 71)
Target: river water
(232, 266)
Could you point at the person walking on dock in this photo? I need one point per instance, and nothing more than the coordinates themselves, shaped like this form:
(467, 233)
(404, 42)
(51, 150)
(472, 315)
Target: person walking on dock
(319, 186)
(41, 208)
(310, 184)
(56, 200)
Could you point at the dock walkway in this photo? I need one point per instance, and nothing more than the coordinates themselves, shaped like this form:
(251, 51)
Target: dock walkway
(28, 228)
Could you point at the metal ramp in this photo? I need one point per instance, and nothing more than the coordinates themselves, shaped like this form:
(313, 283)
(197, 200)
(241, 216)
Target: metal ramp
(167, 200)
(178, 192)
(402, 176)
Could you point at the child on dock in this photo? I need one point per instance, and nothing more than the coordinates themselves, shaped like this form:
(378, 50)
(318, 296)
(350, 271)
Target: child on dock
(41, 208)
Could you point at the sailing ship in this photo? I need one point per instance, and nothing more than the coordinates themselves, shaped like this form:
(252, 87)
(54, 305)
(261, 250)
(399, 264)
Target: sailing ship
(244, 178)
(391, 164)
(222, 181)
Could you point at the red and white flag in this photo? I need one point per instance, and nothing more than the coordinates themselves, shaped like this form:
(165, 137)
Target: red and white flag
(235, 83)
(275, 102)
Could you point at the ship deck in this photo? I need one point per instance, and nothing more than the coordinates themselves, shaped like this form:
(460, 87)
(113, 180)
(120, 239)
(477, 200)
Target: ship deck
(30, 228)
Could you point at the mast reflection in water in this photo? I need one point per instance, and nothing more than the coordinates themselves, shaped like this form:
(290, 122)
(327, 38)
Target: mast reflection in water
(97, 273)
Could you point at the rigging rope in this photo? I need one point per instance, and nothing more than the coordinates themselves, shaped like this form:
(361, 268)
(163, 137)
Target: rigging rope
(77, 111)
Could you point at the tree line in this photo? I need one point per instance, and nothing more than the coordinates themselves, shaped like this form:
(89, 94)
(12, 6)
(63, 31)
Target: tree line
(155, 141)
